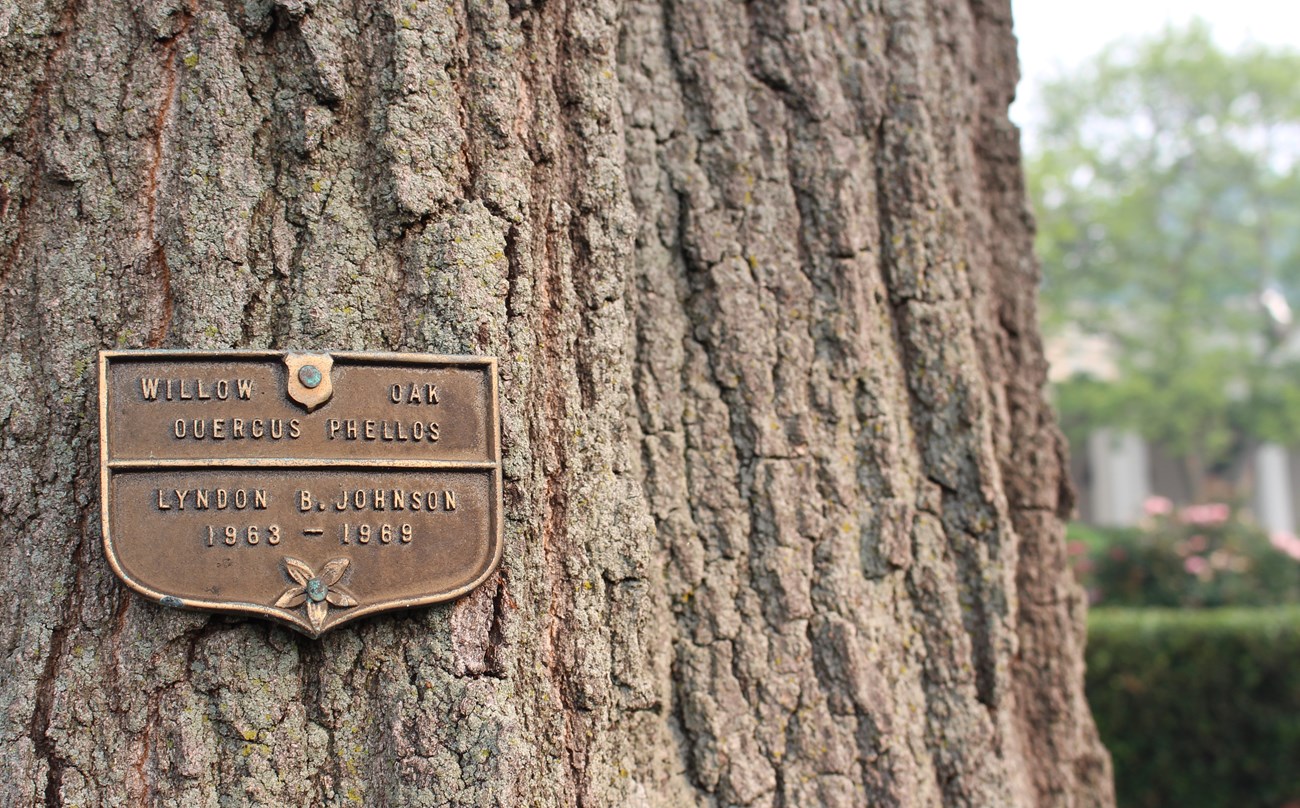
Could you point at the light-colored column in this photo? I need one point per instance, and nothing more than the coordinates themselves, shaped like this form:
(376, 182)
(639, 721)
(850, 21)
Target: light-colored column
(1273, 489)
(1121, 477)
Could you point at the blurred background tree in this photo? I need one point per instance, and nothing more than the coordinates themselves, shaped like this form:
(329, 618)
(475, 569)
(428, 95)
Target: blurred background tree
(1165, 179)
(1164, 173)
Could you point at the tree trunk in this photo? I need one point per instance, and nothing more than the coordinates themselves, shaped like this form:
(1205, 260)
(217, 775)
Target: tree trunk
(783, 497)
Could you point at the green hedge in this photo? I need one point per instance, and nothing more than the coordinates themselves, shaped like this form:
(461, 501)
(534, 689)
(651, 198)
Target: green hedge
(1199, 709)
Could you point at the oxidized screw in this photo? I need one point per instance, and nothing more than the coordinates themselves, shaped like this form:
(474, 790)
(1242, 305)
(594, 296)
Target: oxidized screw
(309, 375)
(316, 590)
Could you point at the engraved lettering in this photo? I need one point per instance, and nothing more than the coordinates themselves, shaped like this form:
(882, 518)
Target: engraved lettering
(414, 393)
(238, 428)
(384, 499)
(174, 389)
(251, 535)
(201, 499)
(366, 532)
(304, 501)
(382, 430)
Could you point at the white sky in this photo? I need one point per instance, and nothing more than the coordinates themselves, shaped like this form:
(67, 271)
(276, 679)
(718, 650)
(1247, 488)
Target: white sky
(1056, 35)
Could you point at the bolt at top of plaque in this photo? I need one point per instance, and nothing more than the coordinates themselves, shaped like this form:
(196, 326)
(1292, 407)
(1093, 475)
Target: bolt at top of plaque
(309, 379)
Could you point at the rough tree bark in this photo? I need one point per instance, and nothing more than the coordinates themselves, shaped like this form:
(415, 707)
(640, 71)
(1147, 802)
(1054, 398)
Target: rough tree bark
(784, 499)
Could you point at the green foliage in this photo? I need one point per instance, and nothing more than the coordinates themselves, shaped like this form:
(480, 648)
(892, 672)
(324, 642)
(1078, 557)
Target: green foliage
(1091, 539)
(1201, 557)
(1199, 709)
(1167, 192)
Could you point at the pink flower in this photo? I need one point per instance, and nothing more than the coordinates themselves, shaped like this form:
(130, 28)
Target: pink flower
(1286, 542)
(1194, 544)
(1157, 506)
(1213, 513)
(1196, 565)
(1075, 548)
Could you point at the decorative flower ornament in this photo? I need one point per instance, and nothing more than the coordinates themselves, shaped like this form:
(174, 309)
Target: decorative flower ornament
(319, 592)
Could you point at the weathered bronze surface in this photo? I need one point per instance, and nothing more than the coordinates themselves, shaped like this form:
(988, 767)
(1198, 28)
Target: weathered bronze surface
(309, 488)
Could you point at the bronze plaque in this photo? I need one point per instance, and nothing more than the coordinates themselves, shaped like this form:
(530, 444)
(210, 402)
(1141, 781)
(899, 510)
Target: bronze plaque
(309, 488)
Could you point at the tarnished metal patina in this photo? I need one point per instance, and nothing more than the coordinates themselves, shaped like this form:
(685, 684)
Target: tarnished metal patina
(309, 488)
